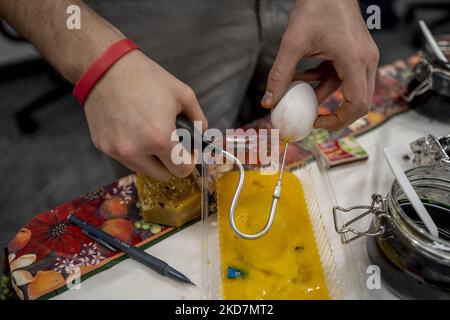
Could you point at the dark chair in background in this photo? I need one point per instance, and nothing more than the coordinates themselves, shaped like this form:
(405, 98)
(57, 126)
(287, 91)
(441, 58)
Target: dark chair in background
(23, 69)
(439, 25)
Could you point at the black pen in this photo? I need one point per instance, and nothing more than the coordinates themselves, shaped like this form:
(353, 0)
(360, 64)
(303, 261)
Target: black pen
(133, 252)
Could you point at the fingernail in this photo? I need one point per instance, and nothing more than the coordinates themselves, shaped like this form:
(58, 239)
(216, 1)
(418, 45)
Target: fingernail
(267, 99)
(318, 123)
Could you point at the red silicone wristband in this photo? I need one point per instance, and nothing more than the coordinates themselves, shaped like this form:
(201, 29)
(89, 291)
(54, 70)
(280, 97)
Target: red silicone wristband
(99, 67)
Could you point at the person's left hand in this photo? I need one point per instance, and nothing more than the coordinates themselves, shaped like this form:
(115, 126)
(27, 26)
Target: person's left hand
(335, 32)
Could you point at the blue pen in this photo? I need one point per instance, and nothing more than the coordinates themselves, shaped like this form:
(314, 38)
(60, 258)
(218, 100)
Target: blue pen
(133, 252)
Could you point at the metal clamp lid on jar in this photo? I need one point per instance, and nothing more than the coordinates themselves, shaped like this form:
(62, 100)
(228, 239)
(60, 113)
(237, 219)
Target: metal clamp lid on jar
(378, 208)
(429, 151)
(432, 74)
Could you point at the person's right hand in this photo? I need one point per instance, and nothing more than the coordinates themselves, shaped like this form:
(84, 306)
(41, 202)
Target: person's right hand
(131, 115)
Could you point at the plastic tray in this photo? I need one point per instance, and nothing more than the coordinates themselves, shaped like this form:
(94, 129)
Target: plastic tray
(211, 259)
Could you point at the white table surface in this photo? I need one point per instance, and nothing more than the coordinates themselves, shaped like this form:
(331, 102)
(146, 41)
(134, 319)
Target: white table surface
(353, 184)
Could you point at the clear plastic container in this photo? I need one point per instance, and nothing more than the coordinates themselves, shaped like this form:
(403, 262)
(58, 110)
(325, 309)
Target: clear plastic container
(317, 189)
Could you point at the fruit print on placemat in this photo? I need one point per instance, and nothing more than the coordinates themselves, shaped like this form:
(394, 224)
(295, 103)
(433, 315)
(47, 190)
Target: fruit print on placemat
(48, 252)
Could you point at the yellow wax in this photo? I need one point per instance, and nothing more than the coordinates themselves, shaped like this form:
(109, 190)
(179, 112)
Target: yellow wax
(282, 264)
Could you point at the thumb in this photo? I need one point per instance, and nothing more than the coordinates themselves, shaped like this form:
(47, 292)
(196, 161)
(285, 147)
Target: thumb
(281, 74)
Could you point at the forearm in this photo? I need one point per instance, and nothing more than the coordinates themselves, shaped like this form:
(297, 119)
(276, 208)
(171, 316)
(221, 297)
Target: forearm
(43, 23)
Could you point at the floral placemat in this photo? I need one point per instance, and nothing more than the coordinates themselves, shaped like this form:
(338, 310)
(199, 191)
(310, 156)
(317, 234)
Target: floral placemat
(48, 255)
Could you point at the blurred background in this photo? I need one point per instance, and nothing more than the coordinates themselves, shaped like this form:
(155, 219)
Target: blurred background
(46, 156)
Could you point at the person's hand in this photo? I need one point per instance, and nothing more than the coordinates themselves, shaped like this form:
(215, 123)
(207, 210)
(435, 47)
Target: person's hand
(131, 115)
(335, 32)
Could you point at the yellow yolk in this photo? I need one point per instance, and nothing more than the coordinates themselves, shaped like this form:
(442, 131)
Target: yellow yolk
(282, 264)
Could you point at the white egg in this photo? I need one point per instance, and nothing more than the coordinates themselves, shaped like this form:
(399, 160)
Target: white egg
(296, 112)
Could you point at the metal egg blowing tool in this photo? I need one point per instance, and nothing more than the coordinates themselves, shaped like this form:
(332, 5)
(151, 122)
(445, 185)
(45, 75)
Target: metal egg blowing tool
(294, 116)
(183, 123)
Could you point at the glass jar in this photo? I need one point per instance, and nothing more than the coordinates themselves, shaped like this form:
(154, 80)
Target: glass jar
(399, 233)
(429, 91)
